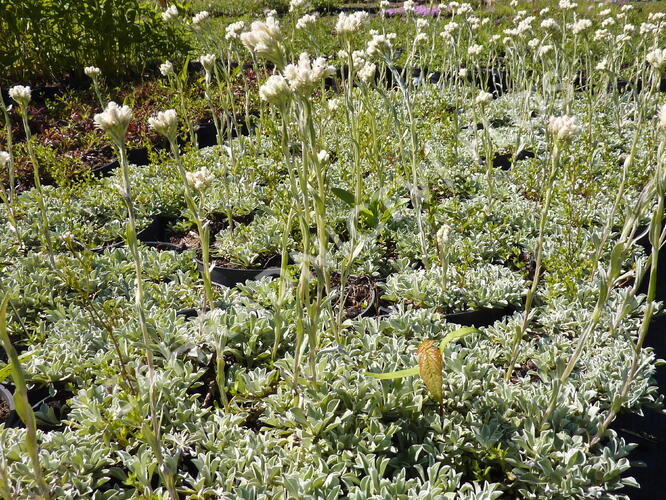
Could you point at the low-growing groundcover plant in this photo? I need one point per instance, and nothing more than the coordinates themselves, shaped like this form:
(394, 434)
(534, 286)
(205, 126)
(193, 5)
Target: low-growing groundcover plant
(479, 182)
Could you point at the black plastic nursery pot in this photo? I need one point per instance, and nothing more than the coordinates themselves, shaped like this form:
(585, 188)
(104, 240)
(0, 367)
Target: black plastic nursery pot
(231, 276)
(154, 234)
(8, 415)
(486, 316)
(137, 156)
(505, 161)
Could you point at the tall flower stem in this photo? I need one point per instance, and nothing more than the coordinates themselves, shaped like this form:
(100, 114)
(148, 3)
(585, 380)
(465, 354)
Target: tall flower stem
(196, 215)
(44, 226)
(23, 407)
(133, 245)
(520, 331)
(656, 239)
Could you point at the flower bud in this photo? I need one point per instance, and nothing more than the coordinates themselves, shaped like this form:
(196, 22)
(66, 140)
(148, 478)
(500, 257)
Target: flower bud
(165, 123)
(114, 120)
(21, 95)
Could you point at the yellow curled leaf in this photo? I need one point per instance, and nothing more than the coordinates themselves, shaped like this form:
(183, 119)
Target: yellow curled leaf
(430, 368)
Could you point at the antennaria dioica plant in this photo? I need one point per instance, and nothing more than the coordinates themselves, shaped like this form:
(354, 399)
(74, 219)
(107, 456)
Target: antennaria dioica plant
(114, 121)
(562, 130)
(7, 159)
(21, 96)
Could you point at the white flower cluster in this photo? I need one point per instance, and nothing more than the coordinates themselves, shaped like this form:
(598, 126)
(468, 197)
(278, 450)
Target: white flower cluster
(380, 44)
(483, 99)
(200, 180)
(275, 91)
(443, 236)
(563, 127)
(567, 5)
(165, 123)
(21, 94)
(92, 72)
(408, 6)
(264, 38)
(306, 21)
(580, 26)
(166, 68)
(200, 18)
(383, 5)
(4, 158)
(458, 9)
(298, 5)
(170, 14)
(550, 24)
(333, 104)
(524, 27)
(601, 35)
(233, 31)
(208, 63)
(304, 76)
(474, 49)
(350, 23)
(367, 73)
(657, 59)
(323, 156)
(544, 50)
(608, 22)
(114, 120)
(647, 28)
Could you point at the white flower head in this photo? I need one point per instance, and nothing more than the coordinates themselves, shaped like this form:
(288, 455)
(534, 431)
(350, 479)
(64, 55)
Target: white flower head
(333, 104)
(21, 94)
(483, 99)
(233, 31)
(657, 58)
(474, 49)
(275, 91)
(602, 65)
(92, 72)
(208, 63)
(367, 73)
(323, 156)
(463, 72)
(380, 44)
(580, 26)
(305, 21)
(199, 18)
(304, 76)
(165, 123)
(295, 5)
(4, 158)
(409, 7)
(114, 120)
(350, 23)
(563, 127)
(567, 5)
(200, 180)
(170, 13)
(265, 39)
(544, 50)
(166, 68)
(443, 235)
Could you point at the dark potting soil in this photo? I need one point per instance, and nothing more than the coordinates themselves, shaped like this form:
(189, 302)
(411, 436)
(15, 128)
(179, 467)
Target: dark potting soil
(4, 411)
(359, 292)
